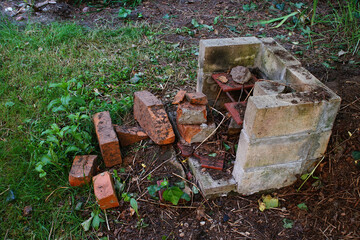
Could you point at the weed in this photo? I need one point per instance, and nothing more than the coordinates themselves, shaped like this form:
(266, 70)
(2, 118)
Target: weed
(172, 194)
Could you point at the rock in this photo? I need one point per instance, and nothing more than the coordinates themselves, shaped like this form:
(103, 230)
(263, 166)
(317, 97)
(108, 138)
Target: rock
(240, 74)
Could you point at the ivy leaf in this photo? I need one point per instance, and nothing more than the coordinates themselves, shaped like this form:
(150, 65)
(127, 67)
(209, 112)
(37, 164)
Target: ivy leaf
(186, 197)
(173, 194)
(180, 184)
(268, 202)
(303, 206)
(153, 189)
(195, 190)
(288, 223)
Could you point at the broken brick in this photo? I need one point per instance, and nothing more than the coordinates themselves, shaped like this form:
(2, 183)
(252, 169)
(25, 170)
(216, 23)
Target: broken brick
(104, 191)
(82, 170)
(193, 133)
(188, 113)
(108, 142)
(197, 98)
(186, 150)
(216, 163)
(129, 135)
(179, 97)
(150, 113)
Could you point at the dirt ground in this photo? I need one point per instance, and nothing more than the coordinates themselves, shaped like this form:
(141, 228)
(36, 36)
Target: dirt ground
(333, 202)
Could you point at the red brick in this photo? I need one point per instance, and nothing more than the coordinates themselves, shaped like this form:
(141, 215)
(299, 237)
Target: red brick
(104, 191)
(188, 113)
(129, 135)
(193, 133)
(197, 98)
(109, 144)
(216, 163)
(179, 97)
(186, 150)
(82, 170)
(150, 113)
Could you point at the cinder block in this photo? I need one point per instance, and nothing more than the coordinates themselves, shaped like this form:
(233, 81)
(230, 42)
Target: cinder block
(104, 191)
(188, 113)
(209, 186)
(284, 114)
(197, 98)
(179, 97)
(109, 144)
(195, 133)
(254, 153)
(253, 180)
(82, 170)
(268, 88)
(129, 135)
(150, 113)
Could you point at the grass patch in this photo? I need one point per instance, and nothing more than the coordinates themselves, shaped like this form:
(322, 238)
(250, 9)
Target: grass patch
(53, 78)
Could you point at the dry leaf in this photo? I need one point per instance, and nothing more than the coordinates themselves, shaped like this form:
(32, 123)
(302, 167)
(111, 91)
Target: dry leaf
(132, 211)
(200, 213)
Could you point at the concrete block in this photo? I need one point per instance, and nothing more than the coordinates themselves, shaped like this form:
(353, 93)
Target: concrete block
(108, 142)
(209, 186)
(151, 115)
(188, 113)
(195, 133)
(253, 180)
(104, 191)
(284, 114)
(254, 153)
(268, 88)
(82, 170)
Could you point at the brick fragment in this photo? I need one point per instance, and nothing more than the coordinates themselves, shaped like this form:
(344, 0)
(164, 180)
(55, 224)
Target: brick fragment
(129, 135)
(82, 170)
(179, 97)
(104, 191)
(197, 98)
(193, 133)
(188, 113)
(109, 144)
(186, 150)
(150, 113)
(216, 163)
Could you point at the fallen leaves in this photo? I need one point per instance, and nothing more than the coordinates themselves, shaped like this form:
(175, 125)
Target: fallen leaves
(268, 202)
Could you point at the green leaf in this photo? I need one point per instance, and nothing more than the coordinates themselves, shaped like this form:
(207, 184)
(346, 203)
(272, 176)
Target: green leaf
(65, 100)
(195, 190)
(164, 183)
(288, 223)
(71, 149)
(86, 224)
(227, 147)
(180, 184)
(356, 155)
(119, 186)
(9, 104)
(153, 189)
(216, 19)
(270, 202)
(166, 16)
(123, 12)
(186, 197)
(59, 108)
(303, 206)
(195, 23)
(212, 155)
(96, 221)
(173, 195)
(304, 176)
(126, 197)
(134, 205)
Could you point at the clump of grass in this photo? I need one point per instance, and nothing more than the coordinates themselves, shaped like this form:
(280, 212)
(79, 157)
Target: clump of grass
(53, 78)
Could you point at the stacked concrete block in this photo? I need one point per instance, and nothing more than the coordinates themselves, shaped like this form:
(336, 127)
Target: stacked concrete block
(283, 134)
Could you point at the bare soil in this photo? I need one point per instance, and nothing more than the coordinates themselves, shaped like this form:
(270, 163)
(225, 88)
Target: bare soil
(333, 200)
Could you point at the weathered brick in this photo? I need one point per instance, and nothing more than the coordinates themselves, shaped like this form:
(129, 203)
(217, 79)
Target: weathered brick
(216, 163)
(150, 113)
(195, 133)
(104, 191)
(185, 150)
(197, 98)
(179, 97)
(129, 135)
(188, 113)
(82, 170)
(109, 144)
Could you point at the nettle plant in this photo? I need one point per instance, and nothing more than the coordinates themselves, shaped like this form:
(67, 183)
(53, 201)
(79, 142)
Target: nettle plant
(169, 193)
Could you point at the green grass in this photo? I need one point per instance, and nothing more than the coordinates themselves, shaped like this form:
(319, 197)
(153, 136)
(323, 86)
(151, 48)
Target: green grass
(53, 78)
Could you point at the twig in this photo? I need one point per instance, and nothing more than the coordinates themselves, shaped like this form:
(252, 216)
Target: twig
(214, 130)
(357, 99)
(217, 97)
(107, 221)
(155, 169)
(249, 94)
(202, 194)
(166, 205)
(5, 191)
(54, 191)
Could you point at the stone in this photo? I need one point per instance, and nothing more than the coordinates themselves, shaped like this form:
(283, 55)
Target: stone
(197, 98)
(179, 97)
(240, 74)
(129, 135)
(104, 191)
(109, 144)
(151, 115)
(195, 133)
(82, 170)
(188, 113)
(209, 186)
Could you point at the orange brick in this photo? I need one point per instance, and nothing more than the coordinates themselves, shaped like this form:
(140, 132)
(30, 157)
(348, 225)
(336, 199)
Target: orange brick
(150, 113)
(188, 113)
(193, 133)
(130, 135)
(179, 97)
(82, 170)
(104, 191)
(109, 144)
(197, 98)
